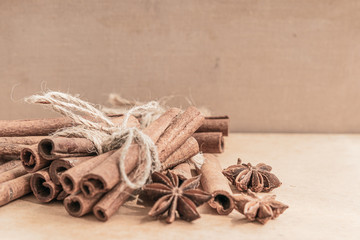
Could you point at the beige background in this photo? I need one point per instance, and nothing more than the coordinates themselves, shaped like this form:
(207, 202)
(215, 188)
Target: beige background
(272, 65)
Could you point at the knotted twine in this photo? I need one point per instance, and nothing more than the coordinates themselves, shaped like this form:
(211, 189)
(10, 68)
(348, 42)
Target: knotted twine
(104, 133)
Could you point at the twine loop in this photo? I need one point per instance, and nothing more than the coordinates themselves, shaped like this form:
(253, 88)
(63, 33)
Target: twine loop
(104, 134)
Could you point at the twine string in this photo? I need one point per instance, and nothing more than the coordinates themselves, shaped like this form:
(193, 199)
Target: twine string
(105, 135)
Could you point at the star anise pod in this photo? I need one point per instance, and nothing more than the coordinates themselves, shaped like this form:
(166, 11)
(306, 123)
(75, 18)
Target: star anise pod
(256, 178)
(172, 197)
(256, 209)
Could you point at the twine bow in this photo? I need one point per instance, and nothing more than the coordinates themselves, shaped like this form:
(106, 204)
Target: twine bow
(103, 132)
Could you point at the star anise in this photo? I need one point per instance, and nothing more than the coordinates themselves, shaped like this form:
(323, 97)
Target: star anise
(172, 197)
(256, 209)
(256, 178)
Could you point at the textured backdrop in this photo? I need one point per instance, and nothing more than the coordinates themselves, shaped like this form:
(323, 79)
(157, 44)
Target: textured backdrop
(272, 65)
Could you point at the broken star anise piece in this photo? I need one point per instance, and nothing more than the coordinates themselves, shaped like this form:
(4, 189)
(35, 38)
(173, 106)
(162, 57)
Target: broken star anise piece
(256, 209)
(256, 178)
(172, 197)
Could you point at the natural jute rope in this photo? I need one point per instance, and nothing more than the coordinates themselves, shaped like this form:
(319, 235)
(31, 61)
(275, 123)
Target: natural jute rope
(103, 133)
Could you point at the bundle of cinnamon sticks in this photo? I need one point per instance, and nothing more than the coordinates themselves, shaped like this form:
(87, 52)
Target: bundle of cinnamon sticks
(70, 169)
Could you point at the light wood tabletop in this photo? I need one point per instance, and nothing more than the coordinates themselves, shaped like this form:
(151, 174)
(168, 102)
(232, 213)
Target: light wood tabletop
(320, 177)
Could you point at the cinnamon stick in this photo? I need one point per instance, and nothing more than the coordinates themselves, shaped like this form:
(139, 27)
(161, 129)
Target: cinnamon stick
(107, 175)
(178, 132)
(215, 124)
(31, 159)
(62, 147)
(35, 127)
(9, 165)
(62, 195)
(28, 140)
(11, 149)
(43, 127)
(70, 179)
(112, 201)
(42, 187)
(210, 142)
(187, 150)
(12, 174)
(58, 166)
(78, 205)
(116, 197)
(183, 171)
(214, 182)
(14, 189)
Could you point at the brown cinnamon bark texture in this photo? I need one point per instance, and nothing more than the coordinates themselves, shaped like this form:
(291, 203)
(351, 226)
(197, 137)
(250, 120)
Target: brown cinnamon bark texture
(62, 195)
(31, 159)
(28, 140)
(215, 124)
(183, 171)
(70, 179)
(189, 149)
(43, 127)
(106, 176)
(214, 182)
(12, 174)
(78, 205)
(178, 132)
(210, 142)
(110, 203)
(9, 165)
(58, 166)
(14, 189)
(35, 127)
(42, 187)
(62, 147)
(11, 149)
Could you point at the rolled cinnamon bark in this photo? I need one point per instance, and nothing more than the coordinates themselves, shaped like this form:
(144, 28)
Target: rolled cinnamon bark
(11, 149)
(210, 142)
(36, 127)
(58, 166)
(7, 158)
(14, 189)
(183, 171)
(107, 175)
(178, 132)
(31, 159)
(189, 149)
(112, 201)
(43, 127)
(9, 165)
(214, 182)
(62, 195)
(116, 197)
(70, 179)
(28, 140)
(78, 205)
(43, 188)
(12, 174)
(62, 147)
(215, 124)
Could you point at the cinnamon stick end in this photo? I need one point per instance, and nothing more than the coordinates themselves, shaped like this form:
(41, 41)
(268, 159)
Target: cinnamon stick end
(73, 206)
(100, 214)
(222, 202)
(46, 146)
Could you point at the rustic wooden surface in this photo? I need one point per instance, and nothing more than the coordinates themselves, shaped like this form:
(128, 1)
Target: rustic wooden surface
(320, 175)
